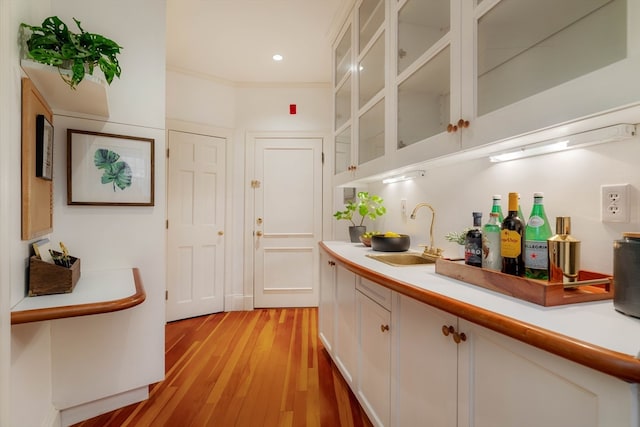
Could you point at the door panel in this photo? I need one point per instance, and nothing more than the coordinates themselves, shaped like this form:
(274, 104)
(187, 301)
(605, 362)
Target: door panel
(288, 221)
(196, 215)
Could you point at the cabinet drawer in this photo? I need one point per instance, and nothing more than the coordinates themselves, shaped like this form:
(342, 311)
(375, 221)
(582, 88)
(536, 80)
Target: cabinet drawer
(376, 292)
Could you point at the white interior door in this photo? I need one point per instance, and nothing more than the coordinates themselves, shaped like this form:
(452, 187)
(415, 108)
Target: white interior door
(287, 223)
(196, 218)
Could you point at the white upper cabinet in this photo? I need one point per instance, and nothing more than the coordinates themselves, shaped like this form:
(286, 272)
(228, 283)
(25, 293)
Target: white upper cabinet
(543, 63)
(427, 83)
(436, 77)
(360, 136)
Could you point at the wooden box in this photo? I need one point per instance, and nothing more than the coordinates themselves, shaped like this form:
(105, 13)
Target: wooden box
(46, 278)
(591, 286)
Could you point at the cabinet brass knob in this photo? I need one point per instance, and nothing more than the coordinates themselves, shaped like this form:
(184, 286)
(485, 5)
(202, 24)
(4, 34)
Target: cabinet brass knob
(258, 233)
(452, 128)
(331, 263)
(220, 233)
(463, 123)
(446, 330)
(384, 328)
(458, 337)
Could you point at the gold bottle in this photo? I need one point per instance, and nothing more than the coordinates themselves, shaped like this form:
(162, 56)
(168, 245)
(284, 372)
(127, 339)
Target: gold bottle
(564, 253)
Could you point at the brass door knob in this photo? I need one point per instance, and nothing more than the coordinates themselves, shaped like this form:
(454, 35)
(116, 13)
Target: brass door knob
(384, 328)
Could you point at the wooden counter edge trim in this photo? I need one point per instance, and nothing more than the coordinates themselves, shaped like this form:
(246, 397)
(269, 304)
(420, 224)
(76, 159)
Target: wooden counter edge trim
(40, 314)
(612, 363)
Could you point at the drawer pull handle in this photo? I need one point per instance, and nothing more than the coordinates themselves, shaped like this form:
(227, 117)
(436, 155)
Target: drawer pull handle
(384, 328)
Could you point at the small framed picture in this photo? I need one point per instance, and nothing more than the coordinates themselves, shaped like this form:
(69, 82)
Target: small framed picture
(44, 148)
(108, 169)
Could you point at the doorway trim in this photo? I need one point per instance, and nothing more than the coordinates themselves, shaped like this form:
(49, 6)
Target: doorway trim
(203, 129)
(249, 206)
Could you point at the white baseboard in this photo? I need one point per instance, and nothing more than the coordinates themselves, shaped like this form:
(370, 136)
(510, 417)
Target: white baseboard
(52, 419)
(238, 303)
(88, 410)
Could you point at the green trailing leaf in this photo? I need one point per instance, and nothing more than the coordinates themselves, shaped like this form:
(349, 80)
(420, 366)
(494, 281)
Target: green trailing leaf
(54, 44)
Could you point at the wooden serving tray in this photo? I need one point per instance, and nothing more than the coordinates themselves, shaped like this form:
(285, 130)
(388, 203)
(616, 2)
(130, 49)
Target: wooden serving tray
(591, 286)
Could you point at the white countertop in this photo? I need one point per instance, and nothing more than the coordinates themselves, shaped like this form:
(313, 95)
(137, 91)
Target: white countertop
(92, 287)
(96, 292)
(597, 323)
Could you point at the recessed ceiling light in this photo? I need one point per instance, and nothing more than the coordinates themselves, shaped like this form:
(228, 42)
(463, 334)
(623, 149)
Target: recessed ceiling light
(278, 57)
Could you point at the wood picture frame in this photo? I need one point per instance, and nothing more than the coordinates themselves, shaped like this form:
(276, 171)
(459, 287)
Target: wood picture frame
(44, 148)
(108, 169)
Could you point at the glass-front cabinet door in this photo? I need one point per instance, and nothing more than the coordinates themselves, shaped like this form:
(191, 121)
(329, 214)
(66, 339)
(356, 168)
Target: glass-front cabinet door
(342, 108)
(545, 62)
(359, 92)
(371, 80)
(427, 82)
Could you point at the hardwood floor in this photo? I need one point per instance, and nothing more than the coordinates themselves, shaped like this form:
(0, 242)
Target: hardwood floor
(258, 368)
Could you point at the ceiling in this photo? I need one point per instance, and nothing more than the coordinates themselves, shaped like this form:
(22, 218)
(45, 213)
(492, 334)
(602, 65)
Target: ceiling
(234, 40)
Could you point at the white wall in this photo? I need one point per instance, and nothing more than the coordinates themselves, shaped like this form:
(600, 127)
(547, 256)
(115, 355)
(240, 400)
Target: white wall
(83, 359)
(25, 351)
(255, 108)
(570, 181)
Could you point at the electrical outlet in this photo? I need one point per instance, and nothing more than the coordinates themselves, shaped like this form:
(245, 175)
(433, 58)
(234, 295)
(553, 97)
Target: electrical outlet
(615, 203)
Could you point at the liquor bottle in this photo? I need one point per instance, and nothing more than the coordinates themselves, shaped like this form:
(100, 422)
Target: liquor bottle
(520, 214)
(497, 207)
(537, 231)
(512, 240)
(473, 242)
(491, 258)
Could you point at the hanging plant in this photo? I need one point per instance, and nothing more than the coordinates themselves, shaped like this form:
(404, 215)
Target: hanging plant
(54, 44)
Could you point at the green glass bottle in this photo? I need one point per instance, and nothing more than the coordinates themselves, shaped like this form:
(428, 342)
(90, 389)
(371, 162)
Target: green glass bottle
(536, 234)
(497, 207)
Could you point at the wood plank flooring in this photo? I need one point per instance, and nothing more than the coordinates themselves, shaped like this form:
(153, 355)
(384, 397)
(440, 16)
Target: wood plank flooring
(251, 368)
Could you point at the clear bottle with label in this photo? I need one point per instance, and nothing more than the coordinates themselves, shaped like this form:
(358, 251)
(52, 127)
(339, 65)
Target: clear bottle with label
(512, 240)
(473, 242)
(491, 259)
(537, 232)
(497, 207)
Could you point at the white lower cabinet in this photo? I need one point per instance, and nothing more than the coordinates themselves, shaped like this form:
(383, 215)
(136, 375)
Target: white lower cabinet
(410, 364)
(503, 382)
(424, 384)
(326, 311)
(345, 344)
(374, 359)
(490, 380)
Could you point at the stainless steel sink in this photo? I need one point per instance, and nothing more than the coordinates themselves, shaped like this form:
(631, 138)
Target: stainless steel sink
(402, 259)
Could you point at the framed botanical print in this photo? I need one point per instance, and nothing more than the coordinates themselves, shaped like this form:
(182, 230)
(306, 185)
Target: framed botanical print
(109, 169)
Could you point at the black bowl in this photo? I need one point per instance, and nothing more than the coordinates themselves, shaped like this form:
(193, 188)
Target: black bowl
(390, 244)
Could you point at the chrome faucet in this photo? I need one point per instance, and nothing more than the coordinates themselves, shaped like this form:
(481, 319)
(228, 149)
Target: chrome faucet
(430, 251)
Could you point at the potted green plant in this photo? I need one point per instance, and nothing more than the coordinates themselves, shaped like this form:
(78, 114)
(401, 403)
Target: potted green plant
(53, 43)
(365, 206)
